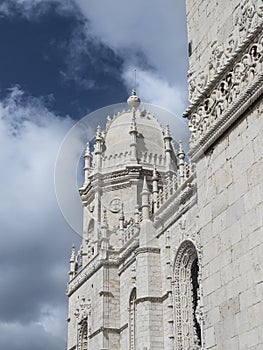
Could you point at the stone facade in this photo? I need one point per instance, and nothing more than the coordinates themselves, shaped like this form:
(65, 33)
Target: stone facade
(172, 251)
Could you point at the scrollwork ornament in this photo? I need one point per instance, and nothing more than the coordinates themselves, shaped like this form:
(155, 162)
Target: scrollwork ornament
(226, 92)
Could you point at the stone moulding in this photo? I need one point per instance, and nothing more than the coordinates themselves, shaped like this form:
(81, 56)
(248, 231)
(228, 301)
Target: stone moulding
(115, 259)
(154, 300)
(106, 330)
(227, 96)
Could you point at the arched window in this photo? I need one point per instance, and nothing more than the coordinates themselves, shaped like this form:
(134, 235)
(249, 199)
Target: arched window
(132, 319)
(186, 298)
(83, 336)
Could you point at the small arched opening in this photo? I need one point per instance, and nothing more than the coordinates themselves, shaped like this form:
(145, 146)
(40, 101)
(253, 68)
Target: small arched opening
(187, 298)
(132, 319)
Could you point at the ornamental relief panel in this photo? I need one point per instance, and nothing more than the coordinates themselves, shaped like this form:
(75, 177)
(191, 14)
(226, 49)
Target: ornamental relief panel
(187, 299)
(83, 314)
(247, 18)
(226, 92)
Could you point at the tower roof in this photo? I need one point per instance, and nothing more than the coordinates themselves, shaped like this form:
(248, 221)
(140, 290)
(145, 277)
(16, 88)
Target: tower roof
(149, 133)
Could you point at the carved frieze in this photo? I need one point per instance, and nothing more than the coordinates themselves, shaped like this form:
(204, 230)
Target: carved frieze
(238, 86)
(247, 19)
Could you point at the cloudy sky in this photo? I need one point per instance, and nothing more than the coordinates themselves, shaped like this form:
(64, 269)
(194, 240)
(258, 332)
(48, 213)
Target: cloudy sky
(61, 60)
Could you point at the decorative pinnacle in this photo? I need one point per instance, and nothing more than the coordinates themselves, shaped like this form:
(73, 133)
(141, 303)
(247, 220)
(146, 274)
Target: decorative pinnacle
(145, 186)
(155, 176)
(134, 101)
(133, 127)
(73, 253)
(87, 150)
(98, 134)
(181, 153)
(167, 133)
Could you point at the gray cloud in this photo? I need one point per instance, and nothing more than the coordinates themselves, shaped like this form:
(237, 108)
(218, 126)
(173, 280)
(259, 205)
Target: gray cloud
(148, 36)
(152, 30)
(35, 240)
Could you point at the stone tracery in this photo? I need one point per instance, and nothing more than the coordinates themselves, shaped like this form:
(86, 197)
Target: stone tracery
(187, 298)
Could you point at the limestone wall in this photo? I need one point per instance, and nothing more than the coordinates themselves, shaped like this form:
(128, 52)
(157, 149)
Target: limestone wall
(101, 293)
(230, 187)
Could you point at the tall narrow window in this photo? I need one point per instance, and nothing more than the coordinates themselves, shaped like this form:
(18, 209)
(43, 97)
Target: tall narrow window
(186, 297)
(195, 289)
(83, 336)
(132, 311)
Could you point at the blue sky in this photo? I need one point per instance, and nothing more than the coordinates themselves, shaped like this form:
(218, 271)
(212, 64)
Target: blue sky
(60, 60)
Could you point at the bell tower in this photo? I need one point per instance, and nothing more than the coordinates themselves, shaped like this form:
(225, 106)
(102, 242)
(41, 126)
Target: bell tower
(132, 162)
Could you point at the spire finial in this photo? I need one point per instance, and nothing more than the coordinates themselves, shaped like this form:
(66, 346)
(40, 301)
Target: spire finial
(145, 186)
(134, 101)
(73, 252)
(87, 150)
(181, 153)
(167, 133)
(98, 134)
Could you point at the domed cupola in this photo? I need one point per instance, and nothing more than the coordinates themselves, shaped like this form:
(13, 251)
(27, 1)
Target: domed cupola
(133, 160)
(134, 136)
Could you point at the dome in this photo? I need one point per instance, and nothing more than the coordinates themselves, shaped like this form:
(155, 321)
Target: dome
(149, 134)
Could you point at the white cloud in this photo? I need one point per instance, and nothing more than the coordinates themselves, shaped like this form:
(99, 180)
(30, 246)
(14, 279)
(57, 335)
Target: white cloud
(148, 35)
(33, 253)
(156, 29)
(156, 90)
(145, 35)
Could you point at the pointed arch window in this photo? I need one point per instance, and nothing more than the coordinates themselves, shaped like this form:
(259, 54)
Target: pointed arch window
(83, 336)
(187, 298)
(132, 319)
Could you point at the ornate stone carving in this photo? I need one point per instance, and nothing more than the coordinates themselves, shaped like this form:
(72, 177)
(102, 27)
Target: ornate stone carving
(246, 20)
(82, 313)
(115, 205)
(236, 86)
(188, 310)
